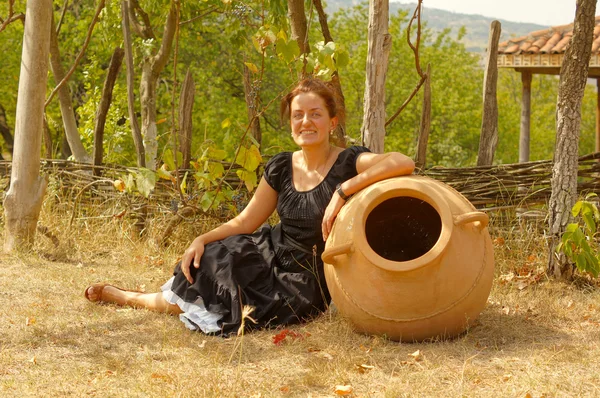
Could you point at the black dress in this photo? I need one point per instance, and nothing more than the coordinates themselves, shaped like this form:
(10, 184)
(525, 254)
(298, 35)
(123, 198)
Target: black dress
(277, 270)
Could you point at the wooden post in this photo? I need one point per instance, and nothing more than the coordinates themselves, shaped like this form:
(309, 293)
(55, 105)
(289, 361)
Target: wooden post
(186, 105)
(107, 91)
(380, 43)
(425, 123)
(524, 137)
(489, 123)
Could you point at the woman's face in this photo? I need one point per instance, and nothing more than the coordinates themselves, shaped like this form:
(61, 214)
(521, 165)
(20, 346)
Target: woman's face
(310, 121)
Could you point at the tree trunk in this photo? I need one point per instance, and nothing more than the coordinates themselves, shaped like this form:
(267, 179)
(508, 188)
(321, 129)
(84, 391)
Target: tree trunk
(47, 140)
(339, 134)
(380, 42)
(151, 70)
(133, 122)
(421, 157)
(489, 124)
(107, 91)
(186, 108)
(251, 94)
(5, 131)
(298, 24)
(65, 101)
(573, 76)
(23, 200)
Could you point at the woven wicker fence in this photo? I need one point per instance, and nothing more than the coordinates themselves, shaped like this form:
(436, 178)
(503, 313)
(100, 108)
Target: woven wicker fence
(489, 188)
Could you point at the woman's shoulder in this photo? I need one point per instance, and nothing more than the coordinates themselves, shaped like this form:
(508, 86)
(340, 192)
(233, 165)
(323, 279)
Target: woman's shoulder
(277, 169)
(351, 153)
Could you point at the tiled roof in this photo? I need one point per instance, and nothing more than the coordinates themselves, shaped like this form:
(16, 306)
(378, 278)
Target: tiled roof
(553, 40)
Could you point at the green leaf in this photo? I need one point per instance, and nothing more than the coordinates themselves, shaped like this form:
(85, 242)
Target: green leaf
(164, 174)
(287, 50)
(581, 262)
(589, 222)
(145, 181)
(249, 158)
(572, 227)
(225, 123)
(216, 154)
(249, 179)
(183, 185)
(253, 68)
(169, 159)
(215, 170)
(129, 183)
(576, 208)
(342, 59)
(207, 200)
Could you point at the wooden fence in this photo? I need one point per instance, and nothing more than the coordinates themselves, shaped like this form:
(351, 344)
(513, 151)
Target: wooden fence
(489, 188)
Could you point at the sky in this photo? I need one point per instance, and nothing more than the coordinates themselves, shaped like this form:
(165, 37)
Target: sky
(542, 12)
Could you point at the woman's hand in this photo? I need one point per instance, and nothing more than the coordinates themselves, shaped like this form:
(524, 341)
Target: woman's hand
(192, 254)
(331, 212)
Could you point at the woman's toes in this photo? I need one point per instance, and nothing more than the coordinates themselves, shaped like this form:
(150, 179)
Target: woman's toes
(94, 293)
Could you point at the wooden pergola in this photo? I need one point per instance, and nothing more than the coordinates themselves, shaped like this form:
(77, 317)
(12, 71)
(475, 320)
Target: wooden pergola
(542, 52)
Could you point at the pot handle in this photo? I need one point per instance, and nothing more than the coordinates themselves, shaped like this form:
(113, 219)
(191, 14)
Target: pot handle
(474, 216)
(330, 253)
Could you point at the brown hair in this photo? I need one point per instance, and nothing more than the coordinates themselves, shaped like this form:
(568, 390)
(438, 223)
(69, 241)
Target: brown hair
(310, 85)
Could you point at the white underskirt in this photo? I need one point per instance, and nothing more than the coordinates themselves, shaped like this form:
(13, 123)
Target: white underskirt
(195, 315)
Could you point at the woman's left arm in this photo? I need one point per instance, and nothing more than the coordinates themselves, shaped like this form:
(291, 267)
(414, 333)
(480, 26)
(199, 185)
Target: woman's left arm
(371, 168)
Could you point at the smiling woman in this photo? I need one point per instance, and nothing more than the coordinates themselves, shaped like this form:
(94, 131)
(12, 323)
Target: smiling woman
(277, 270)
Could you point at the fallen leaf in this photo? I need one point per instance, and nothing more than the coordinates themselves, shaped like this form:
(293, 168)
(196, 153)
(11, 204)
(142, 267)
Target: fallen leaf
(33, 361)
(365, 349)
(29, 321)
(528, 395)
(364, 368)
(343, 390)
(323, 354)
(281, 336)
(570, 304)
(499, 241)
(416, 355)
(284, 389)
(507, 377)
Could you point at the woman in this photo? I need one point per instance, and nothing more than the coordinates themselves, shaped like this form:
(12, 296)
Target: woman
(276, 270)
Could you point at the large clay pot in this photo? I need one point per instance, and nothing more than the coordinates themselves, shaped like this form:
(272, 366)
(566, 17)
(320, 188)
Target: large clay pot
(409, 258)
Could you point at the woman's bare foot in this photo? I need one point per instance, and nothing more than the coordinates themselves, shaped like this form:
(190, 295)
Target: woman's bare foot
(104, 293)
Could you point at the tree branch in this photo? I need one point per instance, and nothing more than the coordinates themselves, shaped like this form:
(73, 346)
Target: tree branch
(406, 102)
(161, 58)
(210, 10)
(80, 55)
(143, 30)
(415, 49)
(11, 16)
(416, 14)
(62, 17)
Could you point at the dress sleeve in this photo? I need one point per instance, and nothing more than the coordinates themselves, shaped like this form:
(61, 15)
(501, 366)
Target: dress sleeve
(276, 169)
(347, 160)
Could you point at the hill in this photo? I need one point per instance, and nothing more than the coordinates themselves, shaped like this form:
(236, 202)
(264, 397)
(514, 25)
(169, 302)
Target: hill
(477, 26)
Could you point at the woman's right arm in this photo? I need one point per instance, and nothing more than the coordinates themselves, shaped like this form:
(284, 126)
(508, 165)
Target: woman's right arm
(261, 206)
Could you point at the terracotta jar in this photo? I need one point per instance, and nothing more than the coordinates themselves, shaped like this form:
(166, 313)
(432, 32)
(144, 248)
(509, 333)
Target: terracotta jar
(409, 258)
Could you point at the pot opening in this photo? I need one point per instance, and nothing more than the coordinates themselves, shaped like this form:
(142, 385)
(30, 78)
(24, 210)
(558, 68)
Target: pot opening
(403, 228)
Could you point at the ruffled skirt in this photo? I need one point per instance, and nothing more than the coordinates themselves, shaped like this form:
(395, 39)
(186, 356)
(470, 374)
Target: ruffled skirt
(281, 286)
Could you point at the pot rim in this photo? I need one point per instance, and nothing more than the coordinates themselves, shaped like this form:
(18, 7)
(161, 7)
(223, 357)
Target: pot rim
(415, 188)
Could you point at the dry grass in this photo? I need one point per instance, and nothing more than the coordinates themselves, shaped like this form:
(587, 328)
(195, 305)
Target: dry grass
(535, 337)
